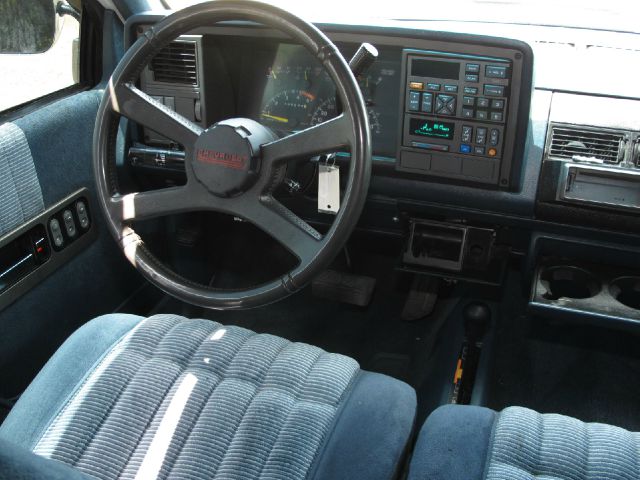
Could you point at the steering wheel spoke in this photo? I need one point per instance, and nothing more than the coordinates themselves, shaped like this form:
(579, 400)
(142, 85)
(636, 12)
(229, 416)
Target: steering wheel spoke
(326, 137)
(156, 203)
(131, 102)
(284, 226)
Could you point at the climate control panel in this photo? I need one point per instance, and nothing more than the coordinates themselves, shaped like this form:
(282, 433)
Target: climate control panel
(459, 114)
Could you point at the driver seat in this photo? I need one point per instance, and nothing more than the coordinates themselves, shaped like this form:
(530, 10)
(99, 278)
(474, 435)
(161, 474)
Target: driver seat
(168, 397)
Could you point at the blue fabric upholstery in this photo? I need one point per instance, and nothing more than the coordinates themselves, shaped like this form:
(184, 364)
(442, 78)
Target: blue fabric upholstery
(371, 434)
(61, 376)
(528, 445)
(167, 396)
(59, 136)
(453, 444)
(17, 463)
(20, 194)
(474, 443)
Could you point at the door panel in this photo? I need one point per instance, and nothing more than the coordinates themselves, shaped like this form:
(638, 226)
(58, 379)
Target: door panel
(94, 282)
(20, 193)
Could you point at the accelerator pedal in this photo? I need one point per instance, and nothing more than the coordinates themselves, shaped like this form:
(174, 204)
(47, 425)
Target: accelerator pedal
(344, 287)
(422, 298)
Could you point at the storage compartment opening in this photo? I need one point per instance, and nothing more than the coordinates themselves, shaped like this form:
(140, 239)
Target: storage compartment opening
(569, 282)
(436, 245)
(626, 290)
(437, 242)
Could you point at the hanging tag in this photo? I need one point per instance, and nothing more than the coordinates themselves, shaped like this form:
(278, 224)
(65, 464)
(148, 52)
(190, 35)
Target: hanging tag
(328, 188)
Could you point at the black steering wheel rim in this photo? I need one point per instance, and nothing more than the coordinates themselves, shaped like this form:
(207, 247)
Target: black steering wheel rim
(350, 128)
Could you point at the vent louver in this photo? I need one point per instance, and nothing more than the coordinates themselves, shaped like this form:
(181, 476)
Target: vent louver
(583, 144)
(176, 63)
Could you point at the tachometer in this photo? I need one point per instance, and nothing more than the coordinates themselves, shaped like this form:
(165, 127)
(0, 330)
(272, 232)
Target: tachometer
(327, 109)
(288, 110)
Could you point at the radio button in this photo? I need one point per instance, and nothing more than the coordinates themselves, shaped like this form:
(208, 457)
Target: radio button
(451, 88)
(468, 101)
(494, 90)
(465, 148)
(497, 104)
(414, 101)
(496, 116)
(467, 112)
(467, 133)
(445, 105)
(494, 136)
(470, 90)
(483, 103)
(481, 135)
(472, 77)
(478, 150)
(427, 102)
(482, 114)
(434, 87)
(495, 71)
(472, 68)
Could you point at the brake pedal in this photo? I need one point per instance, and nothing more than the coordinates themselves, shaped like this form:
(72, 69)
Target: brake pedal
(344, 287)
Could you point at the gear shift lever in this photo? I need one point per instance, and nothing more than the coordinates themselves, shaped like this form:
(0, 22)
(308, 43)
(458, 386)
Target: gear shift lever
(477, 318)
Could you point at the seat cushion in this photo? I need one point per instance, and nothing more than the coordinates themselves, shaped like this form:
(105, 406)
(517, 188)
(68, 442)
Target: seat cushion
(128, 397)
(459, 442)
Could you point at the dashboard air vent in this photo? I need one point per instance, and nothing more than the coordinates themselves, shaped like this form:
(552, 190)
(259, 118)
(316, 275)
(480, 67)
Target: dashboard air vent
(176, 63)
(584, 144)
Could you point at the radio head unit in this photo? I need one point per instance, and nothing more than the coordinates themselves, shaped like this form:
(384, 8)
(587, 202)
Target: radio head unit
(464, 115)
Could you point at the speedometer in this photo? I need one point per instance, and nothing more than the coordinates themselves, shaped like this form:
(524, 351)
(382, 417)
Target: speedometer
(288, 110)
(327, 109)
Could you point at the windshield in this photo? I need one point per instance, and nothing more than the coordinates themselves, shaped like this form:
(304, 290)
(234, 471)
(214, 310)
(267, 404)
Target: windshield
(613, 15)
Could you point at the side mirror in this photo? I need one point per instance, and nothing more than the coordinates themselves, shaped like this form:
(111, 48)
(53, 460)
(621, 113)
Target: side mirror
(28, 26)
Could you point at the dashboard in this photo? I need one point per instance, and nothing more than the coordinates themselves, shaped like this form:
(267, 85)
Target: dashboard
(457, 111)
(458, 127)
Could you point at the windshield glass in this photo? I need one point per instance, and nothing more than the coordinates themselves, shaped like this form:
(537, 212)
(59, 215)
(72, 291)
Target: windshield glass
(613, 15)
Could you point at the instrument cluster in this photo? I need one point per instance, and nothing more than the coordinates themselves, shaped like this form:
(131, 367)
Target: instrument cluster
(299, 93)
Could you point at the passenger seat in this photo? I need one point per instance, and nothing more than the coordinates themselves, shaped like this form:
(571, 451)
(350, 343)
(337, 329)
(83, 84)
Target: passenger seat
(468, 443)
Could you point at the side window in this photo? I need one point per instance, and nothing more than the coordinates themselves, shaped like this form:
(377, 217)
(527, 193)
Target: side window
(39, 48)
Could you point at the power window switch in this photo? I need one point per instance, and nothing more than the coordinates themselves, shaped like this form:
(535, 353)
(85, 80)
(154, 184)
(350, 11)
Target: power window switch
(83, 215)
(56, 233)
(69, 223)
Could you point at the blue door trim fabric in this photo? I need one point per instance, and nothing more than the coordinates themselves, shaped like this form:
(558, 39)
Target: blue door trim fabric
(20, 193)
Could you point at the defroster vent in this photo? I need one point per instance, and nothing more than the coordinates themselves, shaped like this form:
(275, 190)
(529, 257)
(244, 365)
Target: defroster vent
(176, 63)
(586, 144)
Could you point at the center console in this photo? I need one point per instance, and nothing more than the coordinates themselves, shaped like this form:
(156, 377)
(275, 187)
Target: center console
(462, 114)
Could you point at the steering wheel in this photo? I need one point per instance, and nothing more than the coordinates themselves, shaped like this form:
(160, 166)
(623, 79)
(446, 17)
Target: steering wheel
(233, 166)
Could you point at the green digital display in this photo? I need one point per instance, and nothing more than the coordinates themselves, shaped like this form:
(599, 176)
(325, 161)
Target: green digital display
(431, 128)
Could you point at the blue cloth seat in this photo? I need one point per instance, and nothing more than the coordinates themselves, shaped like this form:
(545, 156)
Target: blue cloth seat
(475, 443)
(168, 397)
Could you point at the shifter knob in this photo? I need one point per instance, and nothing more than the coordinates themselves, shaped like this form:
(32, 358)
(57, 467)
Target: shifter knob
(363, 59)
(477, 317)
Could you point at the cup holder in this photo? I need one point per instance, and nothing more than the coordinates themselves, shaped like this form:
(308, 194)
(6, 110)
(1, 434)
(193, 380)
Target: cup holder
(626, 290)
(571, 282)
